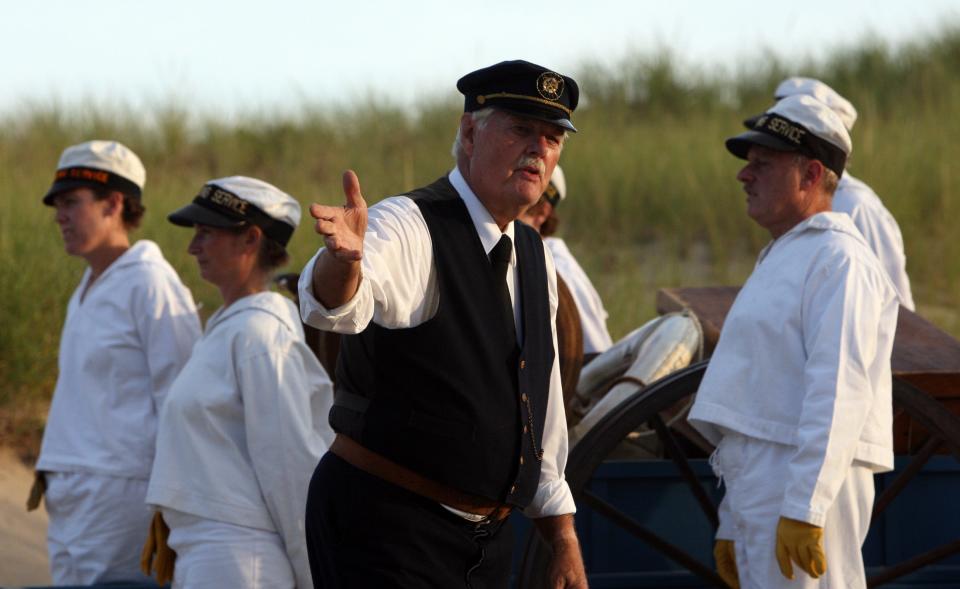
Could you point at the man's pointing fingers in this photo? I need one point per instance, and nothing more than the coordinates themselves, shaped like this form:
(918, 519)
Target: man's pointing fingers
(351, 189)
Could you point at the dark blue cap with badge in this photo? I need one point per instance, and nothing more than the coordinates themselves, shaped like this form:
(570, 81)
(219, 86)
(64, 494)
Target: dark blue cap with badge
(523, 88)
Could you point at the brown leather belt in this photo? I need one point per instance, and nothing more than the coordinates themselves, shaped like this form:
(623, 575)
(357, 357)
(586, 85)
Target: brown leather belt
(383, 468)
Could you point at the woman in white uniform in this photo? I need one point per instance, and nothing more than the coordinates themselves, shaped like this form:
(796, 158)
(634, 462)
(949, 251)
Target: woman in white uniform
(246, 421)
(129, 328)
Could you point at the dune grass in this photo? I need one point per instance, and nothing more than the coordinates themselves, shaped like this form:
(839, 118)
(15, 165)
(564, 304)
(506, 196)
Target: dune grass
(653, 199)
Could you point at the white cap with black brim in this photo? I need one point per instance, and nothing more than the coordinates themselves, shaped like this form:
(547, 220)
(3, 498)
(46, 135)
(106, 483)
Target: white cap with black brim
(556, 188)
(236, 201)
(799, 124)
(98, 164)
(822, 92)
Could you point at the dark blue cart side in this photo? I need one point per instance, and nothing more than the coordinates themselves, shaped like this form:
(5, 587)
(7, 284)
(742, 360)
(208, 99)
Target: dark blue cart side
(925, 515)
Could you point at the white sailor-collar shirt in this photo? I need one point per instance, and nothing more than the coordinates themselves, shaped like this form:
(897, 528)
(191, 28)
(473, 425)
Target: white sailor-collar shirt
(593, 317)
(123, 343)
(804, 360)
(879, 228)
(246, 423)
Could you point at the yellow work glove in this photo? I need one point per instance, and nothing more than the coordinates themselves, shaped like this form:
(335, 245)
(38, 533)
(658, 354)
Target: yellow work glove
(156, 553)
(37, 490)
(802, 543)
(726, 558)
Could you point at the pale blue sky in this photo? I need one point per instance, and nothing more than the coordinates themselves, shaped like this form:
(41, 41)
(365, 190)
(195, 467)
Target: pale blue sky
(243, 55)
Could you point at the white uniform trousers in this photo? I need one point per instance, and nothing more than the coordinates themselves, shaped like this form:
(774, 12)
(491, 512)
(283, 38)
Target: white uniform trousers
(211, 553)
(754, 473)
(97, 527)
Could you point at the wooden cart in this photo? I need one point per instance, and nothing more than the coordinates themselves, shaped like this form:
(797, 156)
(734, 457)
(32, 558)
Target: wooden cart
(629, 509)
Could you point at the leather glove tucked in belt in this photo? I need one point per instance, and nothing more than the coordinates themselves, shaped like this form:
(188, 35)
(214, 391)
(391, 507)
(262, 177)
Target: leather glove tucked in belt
(801, 543)
(37, 490)
(726, 557)
(156, 553)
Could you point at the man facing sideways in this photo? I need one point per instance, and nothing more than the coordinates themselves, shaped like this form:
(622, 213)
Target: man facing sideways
(855, 198)
(797, 395)
(593, 317)
(448, 408)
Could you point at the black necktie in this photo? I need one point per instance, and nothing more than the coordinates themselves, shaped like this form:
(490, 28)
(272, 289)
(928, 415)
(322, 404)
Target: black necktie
(500, 258)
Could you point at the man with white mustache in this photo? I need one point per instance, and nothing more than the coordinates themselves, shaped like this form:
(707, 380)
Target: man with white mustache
(448, 408)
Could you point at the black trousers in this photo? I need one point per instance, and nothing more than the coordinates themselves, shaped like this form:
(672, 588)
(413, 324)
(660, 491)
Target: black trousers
(365, 532)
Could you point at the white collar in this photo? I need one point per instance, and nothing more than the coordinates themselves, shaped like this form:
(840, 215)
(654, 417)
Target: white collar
(267, 301)
(487, 229)
(823, 221)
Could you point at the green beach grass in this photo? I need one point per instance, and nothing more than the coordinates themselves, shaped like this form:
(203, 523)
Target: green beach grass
(653, 199)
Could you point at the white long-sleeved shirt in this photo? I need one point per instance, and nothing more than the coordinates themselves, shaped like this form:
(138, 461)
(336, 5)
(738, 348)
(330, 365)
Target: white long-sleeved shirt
(879, 228)
(122, 346)
(399, 290)
(593, 317)
(245, 425)
(804, 360)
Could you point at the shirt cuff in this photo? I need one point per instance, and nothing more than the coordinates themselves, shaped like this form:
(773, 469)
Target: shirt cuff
(552, 498)
(347, 318)
(803, 513)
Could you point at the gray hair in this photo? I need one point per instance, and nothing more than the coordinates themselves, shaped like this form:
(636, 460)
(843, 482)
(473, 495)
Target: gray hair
(480, 118)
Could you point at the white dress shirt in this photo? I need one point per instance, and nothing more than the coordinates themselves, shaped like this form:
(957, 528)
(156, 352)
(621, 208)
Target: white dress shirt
(399, 290)
(245, 425)
(804, 360)
(593, 317)
(879, 228)
(121, 348)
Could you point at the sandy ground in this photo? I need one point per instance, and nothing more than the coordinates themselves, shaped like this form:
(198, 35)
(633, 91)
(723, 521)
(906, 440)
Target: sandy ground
(23, 536)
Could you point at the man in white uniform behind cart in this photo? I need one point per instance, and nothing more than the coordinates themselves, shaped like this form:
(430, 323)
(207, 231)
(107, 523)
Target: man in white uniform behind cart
(797, 396)
(855, 198)
(593, 317)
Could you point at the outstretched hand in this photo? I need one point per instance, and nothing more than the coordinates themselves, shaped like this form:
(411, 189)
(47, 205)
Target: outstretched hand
(343, 227)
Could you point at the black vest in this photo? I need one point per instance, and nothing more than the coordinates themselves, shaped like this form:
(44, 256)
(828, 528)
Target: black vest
(450, 399)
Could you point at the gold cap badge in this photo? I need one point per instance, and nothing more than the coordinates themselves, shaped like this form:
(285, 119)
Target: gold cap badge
(550, 85)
